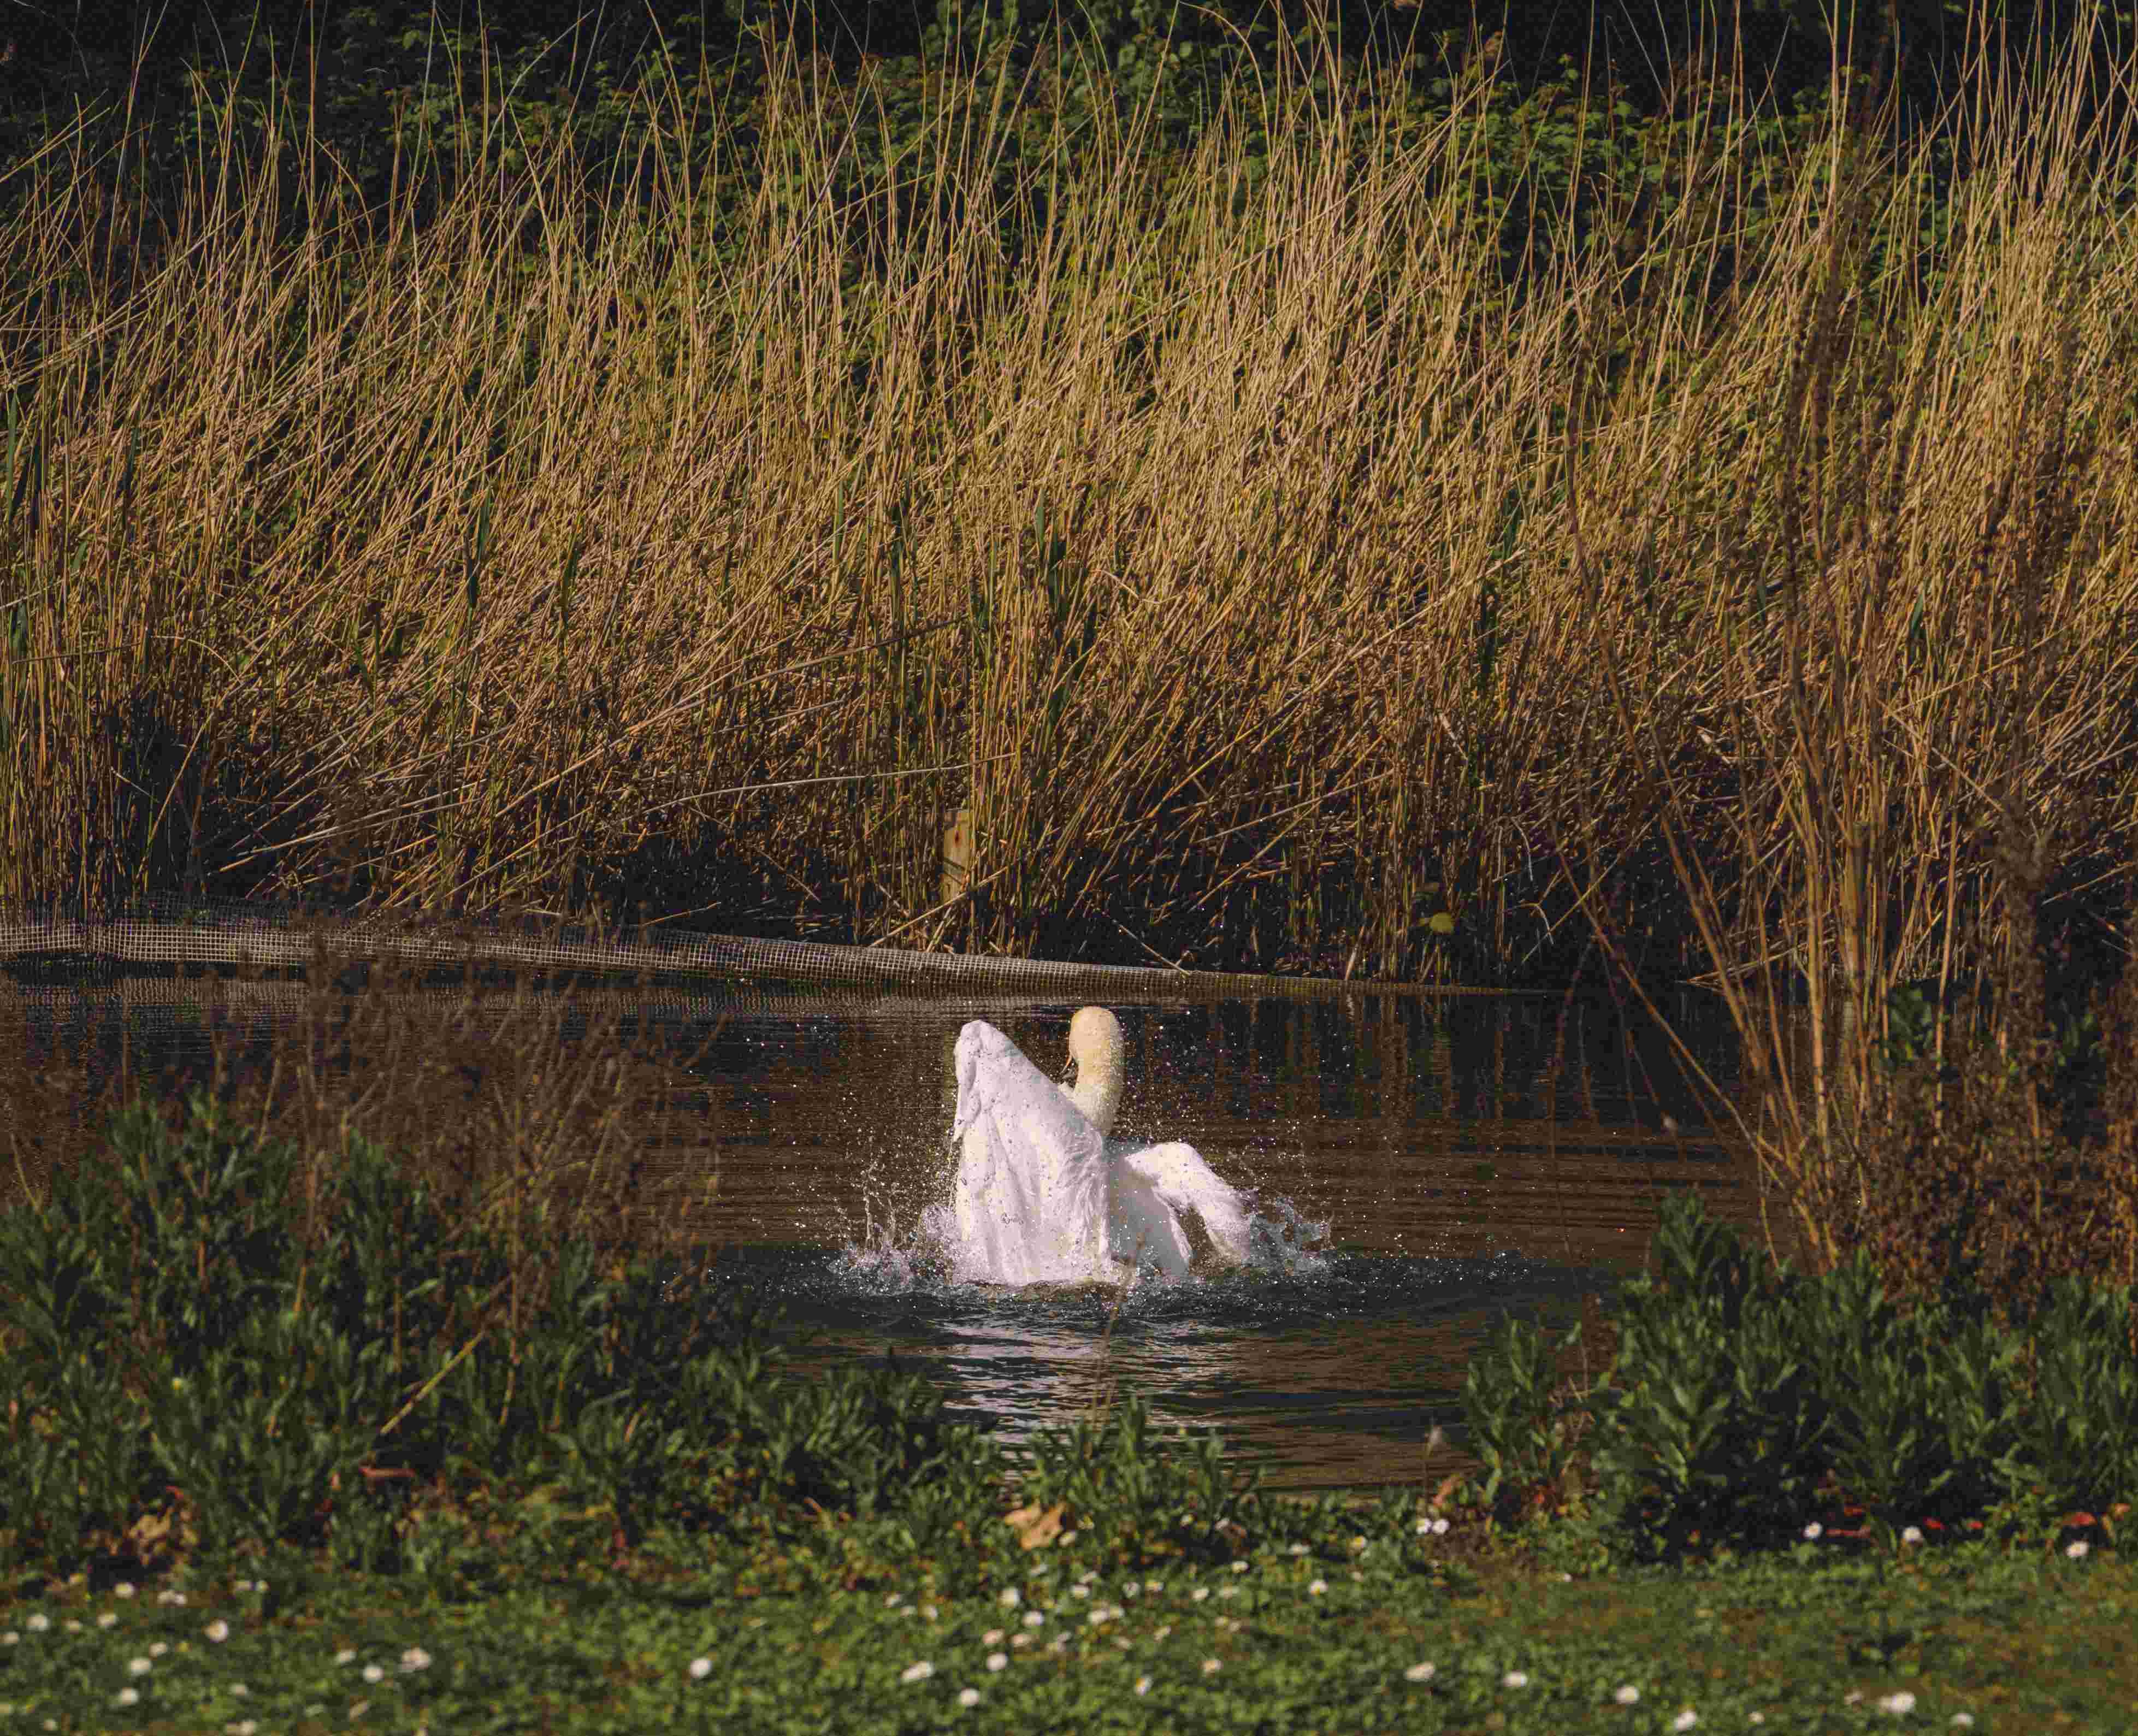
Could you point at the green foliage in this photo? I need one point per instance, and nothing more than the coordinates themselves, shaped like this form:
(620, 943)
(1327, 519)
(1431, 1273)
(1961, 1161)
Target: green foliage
(336, 1374)
(1743, 1397)
(173, 1328)
(2086, 1389)
(364, 1390)
(264, 1430)
(1912, 1026)
(1720, 1421)
(1144, 1502)
(2075, 1055)
(392, 103)
(1517, 1425)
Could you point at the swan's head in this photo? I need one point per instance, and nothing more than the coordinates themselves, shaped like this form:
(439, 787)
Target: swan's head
(1096, 1049)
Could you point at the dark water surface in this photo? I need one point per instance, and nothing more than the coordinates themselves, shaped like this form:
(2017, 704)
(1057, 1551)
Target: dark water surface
(1468, 1157)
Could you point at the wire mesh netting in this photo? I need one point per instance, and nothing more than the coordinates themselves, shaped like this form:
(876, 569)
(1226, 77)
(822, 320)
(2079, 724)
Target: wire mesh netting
(163, 931)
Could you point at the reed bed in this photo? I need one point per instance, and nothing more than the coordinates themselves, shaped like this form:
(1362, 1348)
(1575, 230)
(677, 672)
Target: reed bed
(669, 534)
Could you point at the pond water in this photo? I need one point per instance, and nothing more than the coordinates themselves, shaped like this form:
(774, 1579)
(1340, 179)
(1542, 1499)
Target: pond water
(1434, 1165)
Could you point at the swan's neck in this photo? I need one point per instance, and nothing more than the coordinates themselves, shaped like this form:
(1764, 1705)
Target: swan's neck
(1095, 1051)
(1097, 1095)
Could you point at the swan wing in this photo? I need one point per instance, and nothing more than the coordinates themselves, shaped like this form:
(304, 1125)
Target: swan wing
(1178, 1178)
(1142, 1229)
(1031, 1199)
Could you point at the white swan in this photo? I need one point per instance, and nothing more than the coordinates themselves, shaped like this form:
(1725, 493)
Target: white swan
(1043, 1197)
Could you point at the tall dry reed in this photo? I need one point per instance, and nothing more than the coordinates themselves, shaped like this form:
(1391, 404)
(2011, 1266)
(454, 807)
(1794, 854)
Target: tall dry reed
(1900, 626)
(674, 531)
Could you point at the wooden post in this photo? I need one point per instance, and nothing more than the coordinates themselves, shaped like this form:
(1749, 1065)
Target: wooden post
(957, 853)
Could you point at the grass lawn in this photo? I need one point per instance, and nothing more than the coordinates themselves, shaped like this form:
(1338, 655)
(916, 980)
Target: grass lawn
(849, 1632)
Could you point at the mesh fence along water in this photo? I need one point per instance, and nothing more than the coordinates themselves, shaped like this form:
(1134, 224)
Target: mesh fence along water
(164, 930)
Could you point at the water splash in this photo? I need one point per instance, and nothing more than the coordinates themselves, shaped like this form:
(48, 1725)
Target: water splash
(877, 1260)
(1282, 1239)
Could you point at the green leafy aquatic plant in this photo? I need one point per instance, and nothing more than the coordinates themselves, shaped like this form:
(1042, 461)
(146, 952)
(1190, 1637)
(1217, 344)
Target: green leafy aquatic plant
(175, 1332)
(1144, 1502)
(1514, 1404)
(1744, 1395)
(1718, 1421)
